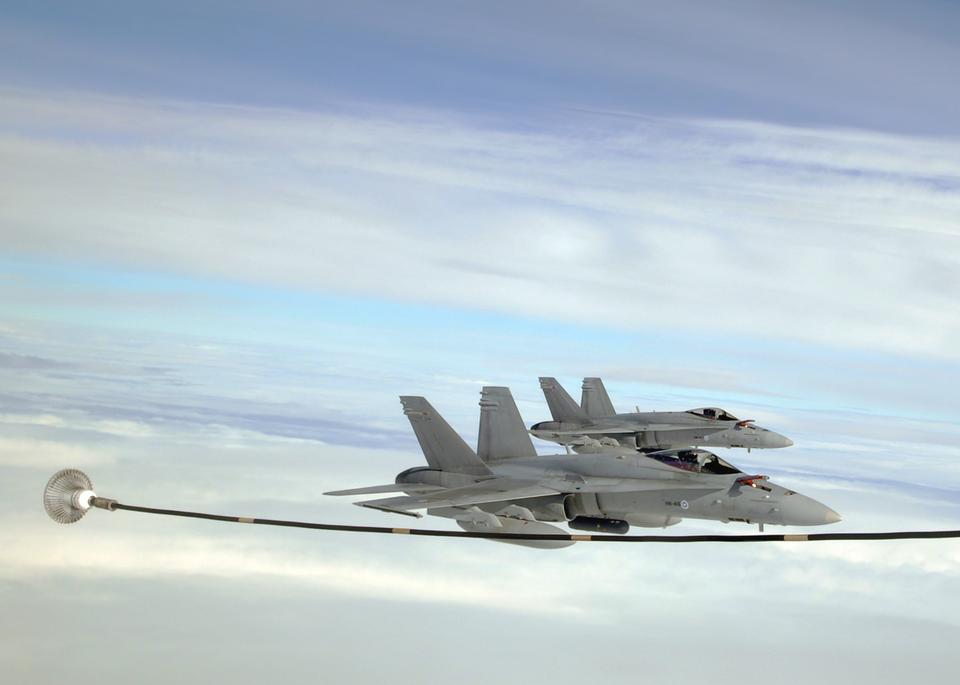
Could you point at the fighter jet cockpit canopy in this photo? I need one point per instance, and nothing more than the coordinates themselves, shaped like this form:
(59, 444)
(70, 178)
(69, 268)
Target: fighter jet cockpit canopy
(713, 413)
(694, 460)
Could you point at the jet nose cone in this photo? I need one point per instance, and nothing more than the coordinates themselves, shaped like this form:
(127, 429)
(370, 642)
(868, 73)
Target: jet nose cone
(775, 440)
(799, 510)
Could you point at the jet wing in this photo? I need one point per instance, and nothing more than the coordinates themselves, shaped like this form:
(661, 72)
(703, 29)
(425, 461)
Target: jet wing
(492, 490)
(630, 430)
(601, 486)
(507, 489)
(391, 487)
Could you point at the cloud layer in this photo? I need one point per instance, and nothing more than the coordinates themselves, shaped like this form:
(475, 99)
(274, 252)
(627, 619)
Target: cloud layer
(165, 420)
(831, 236)
(214, 306)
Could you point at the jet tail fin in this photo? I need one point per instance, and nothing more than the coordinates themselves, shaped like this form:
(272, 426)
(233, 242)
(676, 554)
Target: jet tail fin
(562, 406)
(503, 435)
(441, 445)
(595, 401)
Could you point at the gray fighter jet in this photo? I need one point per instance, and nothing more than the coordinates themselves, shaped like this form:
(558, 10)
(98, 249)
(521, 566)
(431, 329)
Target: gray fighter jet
(595, 419)
(505, 486)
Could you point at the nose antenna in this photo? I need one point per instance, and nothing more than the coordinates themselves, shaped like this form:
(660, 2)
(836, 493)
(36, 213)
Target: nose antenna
(69, 495)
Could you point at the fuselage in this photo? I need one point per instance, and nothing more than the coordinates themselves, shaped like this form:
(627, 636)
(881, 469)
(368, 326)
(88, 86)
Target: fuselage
(665, 430)
(653, 490)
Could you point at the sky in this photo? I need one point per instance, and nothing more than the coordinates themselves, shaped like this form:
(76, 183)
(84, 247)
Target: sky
(231, 234)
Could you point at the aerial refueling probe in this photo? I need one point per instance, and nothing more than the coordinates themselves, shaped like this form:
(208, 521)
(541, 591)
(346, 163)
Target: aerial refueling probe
(69, 495)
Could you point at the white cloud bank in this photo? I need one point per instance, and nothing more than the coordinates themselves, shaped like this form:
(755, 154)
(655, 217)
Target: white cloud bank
(831, 236)
(199, 556)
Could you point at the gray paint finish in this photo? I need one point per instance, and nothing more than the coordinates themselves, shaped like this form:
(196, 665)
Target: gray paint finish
(519, 492)
(596, 419)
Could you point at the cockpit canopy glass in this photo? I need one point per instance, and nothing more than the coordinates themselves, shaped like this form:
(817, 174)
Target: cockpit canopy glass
(696, 461)
(714, 413)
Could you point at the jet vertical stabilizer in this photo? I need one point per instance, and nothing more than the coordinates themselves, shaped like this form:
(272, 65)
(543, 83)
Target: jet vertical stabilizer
(441, 445)
(503, 434)
(562, 406)
(595, 401)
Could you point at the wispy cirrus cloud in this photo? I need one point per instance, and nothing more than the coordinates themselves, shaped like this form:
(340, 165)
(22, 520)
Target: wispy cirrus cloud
(577, 222)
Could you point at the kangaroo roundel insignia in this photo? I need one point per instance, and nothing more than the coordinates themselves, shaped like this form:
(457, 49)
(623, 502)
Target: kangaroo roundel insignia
(684, 504)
